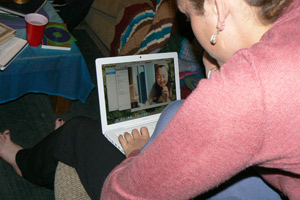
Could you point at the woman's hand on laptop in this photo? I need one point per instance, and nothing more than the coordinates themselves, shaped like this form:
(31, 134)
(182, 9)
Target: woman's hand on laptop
(135, 141)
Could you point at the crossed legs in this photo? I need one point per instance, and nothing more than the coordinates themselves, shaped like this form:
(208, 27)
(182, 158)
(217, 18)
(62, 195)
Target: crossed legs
(9, 149)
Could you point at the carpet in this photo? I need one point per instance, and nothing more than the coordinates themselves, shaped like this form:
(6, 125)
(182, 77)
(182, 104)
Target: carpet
(30, 118)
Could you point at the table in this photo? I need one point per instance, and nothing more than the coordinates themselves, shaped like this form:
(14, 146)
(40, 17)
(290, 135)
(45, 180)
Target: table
(53, 72)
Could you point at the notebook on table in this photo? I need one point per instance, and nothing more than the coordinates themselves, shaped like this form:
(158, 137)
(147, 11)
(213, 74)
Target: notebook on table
(126, 85)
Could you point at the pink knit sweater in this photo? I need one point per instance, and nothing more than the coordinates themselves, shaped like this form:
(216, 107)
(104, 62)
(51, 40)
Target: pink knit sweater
(246, 115)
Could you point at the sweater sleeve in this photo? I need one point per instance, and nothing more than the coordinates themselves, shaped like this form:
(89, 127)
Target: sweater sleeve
(215, 134)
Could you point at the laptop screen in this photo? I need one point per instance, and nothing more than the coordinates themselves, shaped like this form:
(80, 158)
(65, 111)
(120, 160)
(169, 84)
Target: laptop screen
(138, 89)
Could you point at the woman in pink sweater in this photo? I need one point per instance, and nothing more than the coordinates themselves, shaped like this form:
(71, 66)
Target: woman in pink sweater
(248, 114)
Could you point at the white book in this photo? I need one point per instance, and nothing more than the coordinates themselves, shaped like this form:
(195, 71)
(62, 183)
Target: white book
(10, 50)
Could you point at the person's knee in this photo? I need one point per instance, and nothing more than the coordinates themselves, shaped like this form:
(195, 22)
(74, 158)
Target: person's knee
(79, 120)
(83, 124)
(177, 103)
(173, 107)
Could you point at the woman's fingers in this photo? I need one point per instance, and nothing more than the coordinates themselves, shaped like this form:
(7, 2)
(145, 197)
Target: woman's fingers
(122, 141)
(135, 133)
(128, 137)
(134, 141)
(145, 132)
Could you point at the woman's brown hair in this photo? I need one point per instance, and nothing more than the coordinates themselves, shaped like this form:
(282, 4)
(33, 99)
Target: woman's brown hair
(269, 10)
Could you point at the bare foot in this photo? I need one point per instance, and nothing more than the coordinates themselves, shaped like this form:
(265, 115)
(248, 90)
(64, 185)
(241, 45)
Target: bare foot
(58, 123)
(8, 150)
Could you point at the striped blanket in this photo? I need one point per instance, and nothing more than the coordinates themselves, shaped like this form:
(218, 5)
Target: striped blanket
(144, 28)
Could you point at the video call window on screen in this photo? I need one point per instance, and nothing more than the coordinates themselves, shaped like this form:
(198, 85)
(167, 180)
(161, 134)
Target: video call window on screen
(138, 89)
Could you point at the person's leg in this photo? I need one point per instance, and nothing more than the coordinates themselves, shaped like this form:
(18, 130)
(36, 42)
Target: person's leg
(245, 186)
(37, 164)
(8, 150)
(89, 152)
(80, 144)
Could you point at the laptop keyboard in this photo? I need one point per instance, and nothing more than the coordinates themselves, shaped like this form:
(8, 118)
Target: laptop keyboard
(121, 131)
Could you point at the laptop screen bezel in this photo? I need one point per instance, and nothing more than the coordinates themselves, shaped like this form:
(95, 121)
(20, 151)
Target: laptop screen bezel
(100, 62)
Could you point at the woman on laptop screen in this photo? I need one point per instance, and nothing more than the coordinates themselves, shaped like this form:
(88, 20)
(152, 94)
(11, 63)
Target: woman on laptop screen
(161, 90)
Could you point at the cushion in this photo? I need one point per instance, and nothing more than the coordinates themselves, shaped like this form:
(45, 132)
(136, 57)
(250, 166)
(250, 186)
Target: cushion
(102, 25)
(67, 185)
(143, 28)
(114, 8)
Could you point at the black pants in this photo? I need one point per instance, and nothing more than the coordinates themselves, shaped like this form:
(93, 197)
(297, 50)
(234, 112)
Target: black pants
(80, 144)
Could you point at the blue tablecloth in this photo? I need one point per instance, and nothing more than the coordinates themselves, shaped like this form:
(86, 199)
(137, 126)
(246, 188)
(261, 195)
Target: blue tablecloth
(53, 72)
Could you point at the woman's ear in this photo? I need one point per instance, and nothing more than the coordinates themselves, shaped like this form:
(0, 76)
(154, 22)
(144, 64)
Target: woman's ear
(222, 7)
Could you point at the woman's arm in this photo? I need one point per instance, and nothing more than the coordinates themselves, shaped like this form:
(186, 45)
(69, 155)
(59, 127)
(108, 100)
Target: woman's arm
(215, 134)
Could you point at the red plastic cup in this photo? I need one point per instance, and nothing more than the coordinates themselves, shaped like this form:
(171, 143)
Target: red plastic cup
(35, 26)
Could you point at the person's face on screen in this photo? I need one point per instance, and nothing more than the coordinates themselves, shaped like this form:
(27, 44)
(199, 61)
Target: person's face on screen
(162, 76)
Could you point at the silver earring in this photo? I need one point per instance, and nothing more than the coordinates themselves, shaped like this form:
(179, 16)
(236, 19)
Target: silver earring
(213, 39)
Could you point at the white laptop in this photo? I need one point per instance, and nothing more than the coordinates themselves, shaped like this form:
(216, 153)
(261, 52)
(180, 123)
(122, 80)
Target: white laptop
(130, 92)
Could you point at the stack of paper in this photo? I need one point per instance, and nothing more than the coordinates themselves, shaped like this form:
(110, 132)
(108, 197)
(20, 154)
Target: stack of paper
(9, 50)
(6, 33)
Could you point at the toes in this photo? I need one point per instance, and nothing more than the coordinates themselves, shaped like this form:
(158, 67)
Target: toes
(5, 135)
(58, 123)
(6, 132)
